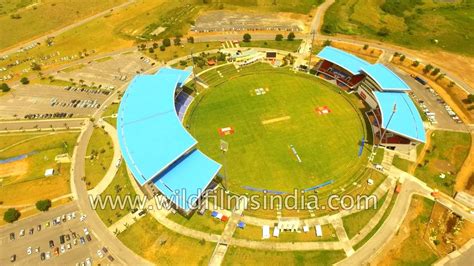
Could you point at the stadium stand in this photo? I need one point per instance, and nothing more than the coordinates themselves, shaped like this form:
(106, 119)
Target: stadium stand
(154, 144)
(382, 90)
(182, 102)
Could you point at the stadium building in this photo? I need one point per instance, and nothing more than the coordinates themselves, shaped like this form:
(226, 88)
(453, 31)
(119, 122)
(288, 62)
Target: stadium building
(394, 118)
(158, 150)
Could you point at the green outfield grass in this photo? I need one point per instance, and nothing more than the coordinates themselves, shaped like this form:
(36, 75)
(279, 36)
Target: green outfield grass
(265, 126)
(413, 23)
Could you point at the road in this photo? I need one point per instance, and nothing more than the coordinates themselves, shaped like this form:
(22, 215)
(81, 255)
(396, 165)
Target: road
(43, 38)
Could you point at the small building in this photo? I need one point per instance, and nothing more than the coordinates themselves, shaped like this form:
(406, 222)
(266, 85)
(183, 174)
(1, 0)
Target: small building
(49, 172)
(211, 62)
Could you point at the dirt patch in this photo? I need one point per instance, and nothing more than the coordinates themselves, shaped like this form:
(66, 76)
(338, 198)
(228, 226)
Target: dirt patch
(443, 166)
(369, 54)
(10, 172)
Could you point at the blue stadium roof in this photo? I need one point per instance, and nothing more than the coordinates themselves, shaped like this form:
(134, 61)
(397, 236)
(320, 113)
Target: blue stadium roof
(184, 181)
(385, 78)
(406, 121)
(348, 61)
(150, 134)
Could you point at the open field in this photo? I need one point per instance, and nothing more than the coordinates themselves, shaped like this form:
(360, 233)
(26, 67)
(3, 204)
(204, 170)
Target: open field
(447, 152)
(409, 246)
(327, 144)
(415, 24)
(120, 186)
(100, 152)
(402, 164)
(244, 256)
(22, 178)
(46, 16)
(205, 223)
(156, 243)
(112, 109)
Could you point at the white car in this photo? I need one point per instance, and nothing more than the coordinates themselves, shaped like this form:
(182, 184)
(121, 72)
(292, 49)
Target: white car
(29, 250)
(88, 262)
(86, 231)
(48, 255)
(63, 249)
(83, 217)
(22, 232)
(73, 215)
(100, 254)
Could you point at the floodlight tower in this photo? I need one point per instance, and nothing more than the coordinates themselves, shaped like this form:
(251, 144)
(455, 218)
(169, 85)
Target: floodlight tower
(224, 147)
(313, 33)
(394, 110)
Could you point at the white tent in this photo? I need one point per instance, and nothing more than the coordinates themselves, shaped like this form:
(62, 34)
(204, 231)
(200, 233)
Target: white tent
(319, 230)
(276, 232)
(49, 172)
(265, 232)
(306, 229)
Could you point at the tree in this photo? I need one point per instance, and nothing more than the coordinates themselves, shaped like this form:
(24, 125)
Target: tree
(451, 84)
(384, 31)
(24, 80)
(291, 36)
(162, 48)
(279, 37)
(327, 43)
(35, 66)
(4, 87)
(177, 41)
(402, 58)
(151, 50)
(155, 45)
(43, 205)
(11, 215)
(366, 46)
(470, 98)
(247, 37)
(415, 63)
(166, 42)
(328, 28)
(221, 57)
(191, 39)
(427, 68)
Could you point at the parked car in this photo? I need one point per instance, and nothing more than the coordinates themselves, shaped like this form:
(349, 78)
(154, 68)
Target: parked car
(13, 258)
(51, 243)
(12, 236)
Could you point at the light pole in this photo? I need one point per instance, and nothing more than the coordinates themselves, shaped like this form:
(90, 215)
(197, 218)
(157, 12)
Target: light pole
(394, 110)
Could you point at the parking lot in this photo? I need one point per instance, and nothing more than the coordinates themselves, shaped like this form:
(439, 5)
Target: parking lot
(57, 237)
(38, 101)
(431, 104)
(109, 72)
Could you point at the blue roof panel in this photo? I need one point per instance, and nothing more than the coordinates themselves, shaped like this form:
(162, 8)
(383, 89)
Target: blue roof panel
(185, 180)
(406, 121)
(182, 75)
(150, 133)
(348, 61)
(385, 78)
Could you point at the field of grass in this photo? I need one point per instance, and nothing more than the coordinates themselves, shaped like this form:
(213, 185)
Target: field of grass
(204, 223)
(244, 256)
(379, 156)
(260, 155)
(282, 45)
(252, 232)
(100, 152)
(380, 223)
(156, 243)
(355, 222)
(120, 186)
(10, 6)
(414, 250)
(22, 179)
(416, 24)
(46, 16)
(402, 164)
(447, 153)
(108, 112)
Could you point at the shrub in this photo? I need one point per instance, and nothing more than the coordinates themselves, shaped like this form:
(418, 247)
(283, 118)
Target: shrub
(166, 42)
(427, 68)
(24, 80)
(291, 36)
(11, 215)
(470, 98)
(435, 71)
(384, 31)
(43, 205)
(247, 37)
(402, 58)
(279, 37)
(4, 87)
(327, 43)
(366, 46)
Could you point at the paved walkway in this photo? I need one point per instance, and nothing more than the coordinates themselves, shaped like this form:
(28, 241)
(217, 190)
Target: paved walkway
(113, 169)
(342, 236)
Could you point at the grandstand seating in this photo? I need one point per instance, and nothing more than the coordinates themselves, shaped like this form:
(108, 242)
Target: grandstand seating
(182, 102)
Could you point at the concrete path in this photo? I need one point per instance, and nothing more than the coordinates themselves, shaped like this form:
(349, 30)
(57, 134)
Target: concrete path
(125, 222)
(342, 236)
(219, 252)
(113, 169)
